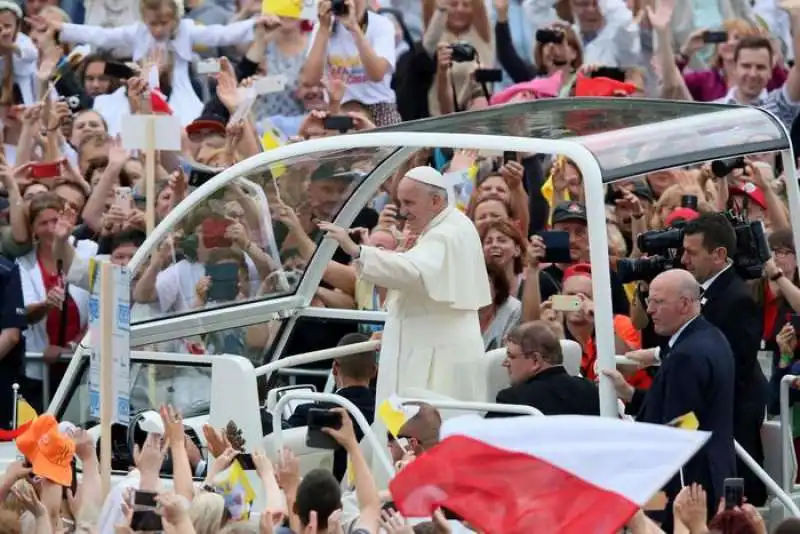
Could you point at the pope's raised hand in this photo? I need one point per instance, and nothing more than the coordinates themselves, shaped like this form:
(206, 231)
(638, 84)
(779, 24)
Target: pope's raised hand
(341, 236)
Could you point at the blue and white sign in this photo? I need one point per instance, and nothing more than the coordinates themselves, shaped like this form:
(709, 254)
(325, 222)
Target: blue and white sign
(121, 348)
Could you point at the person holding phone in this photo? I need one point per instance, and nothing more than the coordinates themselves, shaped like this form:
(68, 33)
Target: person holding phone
(357, 46)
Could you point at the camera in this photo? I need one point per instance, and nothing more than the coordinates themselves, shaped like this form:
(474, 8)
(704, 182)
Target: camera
(665, 248)
(549, 36)
(339, 8)
(723, 167)
(463, 52)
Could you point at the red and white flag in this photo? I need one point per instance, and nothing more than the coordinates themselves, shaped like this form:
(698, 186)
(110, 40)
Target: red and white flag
(566, 474)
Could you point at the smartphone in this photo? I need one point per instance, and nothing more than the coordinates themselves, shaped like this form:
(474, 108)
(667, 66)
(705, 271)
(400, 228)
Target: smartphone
(565, 303)
(246, 461)
(614, 73)
(214, 233)
(44, 169)
(488, 75)
(509, 156)
(208, 66)
(118, 70)
(549, 36)
(123, 197)
(146, 521)
(271, 84)
(715, 37)
(339, 123)
(689, 201)
(198, 177)
(734, 492)
(316, 421)
(224, 281)
(556, 244)
(145, 498)
(450, 515)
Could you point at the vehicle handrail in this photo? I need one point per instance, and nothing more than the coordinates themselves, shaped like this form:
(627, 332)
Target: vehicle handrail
(622, 360)
(787, 447)
(518, 409)
(771, 485)
(361, 421)
(317, 356)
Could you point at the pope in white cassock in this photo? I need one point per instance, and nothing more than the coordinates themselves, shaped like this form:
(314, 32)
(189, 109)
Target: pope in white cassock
(432, 339)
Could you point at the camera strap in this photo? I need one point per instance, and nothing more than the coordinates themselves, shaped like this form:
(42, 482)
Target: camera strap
(484, 88)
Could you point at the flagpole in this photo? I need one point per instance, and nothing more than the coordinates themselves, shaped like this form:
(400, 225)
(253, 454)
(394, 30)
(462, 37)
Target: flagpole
(15, 412)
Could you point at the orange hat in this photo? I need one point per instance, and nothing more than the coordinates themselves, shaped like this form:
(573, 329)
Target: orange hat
(27, 442)
(53, 459)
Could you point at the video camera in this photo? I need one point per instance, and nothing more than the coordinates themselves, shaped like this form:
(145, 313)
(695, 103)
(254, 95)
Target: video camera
(665, 248)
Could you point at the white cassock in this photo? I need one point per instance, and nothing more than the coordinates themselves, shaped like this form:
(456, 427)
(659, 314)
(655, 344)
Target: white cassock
(432, 339)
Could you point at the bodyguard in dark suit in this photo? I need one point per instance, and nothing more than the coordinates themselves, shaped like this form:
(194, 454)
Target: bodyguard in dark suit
(709, 244)
(696, 375)
(12, 343)
(535, 370)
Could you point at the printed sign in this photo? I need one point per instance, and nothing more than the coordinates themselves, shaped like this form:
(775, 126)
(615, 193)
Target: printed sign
(121, 348)
(295, 9)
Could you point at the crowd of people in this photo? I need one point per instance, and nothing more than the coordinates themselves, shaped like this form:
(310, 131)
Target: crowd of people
(242, 80)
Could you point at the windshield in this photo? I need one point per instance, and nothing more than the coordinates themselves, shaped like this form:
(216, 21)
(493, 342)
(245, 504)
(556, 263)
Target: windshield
(252, 238)
(152, 384)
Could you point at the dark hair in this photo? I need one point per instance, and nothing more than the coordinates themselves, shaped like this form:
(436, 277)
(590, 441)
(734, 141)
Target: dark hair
(359, 366)
(512, 232)
(789, 525)
(428, 527)
(101, 164)
(716, 230)
(537, 336)
(320, 492)
(781, 239)
(752, 42)
(499, 282)
(732, 522)
(114, 83)
(130, 236)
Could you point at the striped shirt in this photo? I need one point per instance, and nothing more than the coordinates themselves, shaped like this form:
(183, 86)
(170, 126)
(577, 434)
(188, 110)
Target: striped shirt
(776, 102)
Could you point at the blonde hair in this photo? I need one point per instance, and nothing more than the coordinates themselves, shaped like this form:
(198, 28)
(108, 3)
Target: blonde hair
(671, 199)
(742, 28)
(207, 512)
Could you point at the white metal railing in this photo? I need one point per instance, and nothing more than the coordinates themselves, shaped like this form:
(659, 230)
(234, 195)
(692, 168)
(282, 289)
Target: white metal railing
(787, 447)
(771, 485)
(517, 409)
(38, 358)
(317, 356)
(361, 421)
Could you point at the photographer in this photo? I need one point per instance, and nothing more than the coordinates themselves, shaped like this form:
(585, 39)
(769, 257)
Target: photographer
(357, 46)
(457, 32)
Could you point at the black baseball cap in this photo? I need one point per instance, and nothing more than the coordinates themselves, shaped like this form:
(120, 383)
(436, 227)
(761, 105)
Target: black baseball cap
(569, 211)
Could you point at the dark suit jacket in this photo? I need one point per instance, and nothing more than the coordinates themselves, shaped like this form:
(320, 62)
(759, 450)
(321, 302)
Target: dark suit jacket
(729, 305)
(362, 397)
(697, 376)
(553, 392)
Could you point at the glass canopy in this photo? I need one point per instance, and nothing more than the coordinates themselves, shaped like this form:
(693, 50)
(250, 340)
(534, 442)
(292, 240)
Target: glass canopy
(628, 136)
(250, 235)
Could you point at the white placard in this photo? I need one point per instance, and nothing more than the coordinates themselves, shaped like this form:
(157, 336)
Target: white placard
(248, 96)
(121, 348)
(167, 132)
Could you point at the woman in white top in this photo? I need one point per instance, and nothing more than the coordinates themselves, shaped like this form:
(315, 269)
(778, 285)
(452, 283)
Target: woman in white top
(357, 46)
(161, 28)
(56, 318)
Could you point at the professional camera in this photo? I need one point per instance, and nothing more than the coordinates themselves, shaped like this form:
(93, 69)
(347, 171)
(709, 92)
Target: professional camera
(549, 36)
(463, 52)
(665, 248)
(723, 167)
(339, 8)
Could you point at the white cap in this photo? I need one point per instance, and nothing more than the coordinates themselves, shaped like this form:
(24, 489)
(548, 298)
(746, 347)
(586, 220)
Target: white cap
(430, 176)
(427, 175)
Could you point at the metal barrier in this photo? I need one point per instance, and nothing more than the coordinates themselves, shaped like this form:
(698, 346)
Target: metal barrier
(361, 421)
(317, 356)
(787, 447)
(519, 409)
(771, 485)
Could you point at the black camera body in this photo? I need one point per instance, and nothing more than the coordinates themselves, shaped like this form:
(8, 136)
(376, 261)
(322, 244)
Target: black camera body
(665, 248)
(723, 167)
(339, 8)
(549, 36)
(463, 52)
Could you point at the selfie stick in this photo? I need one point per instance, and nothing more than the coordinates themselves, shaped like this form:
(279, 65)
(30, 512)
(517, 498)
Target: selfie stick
(15, 411)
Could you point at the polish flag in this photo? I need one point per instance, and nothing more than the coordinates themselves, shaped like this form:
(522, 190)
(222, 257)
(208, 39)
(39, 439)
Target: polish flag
(567, 474)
